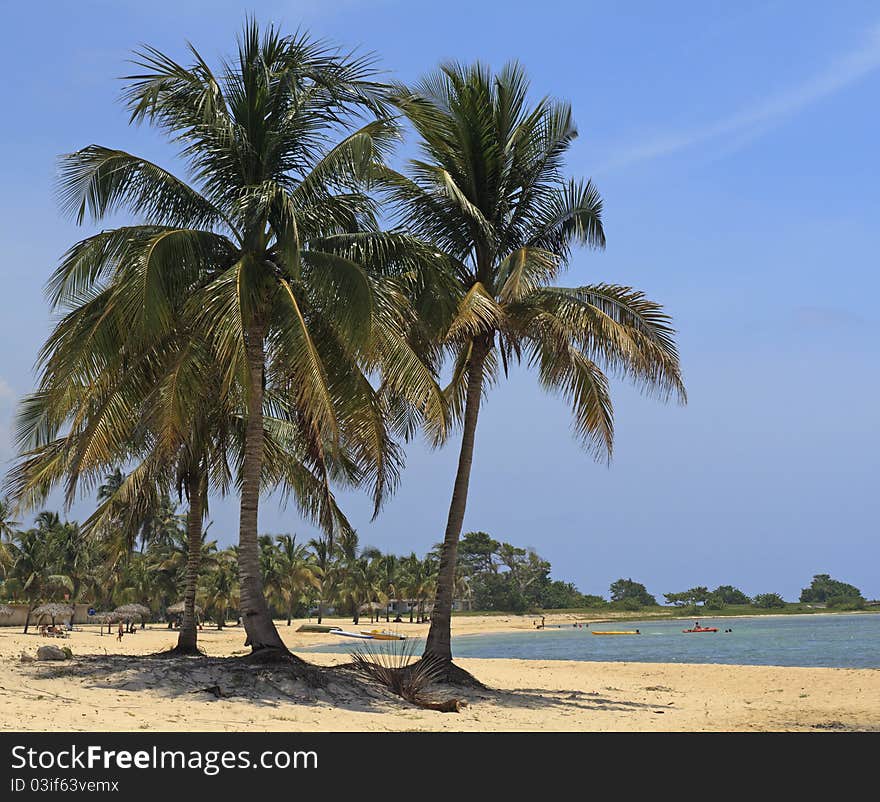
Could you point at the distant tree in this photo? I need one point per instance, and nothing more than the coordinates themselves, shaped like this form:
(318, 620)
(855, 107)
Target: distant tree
(476, 553)
(557, 595)
(826, 590)
(678, 599)
(728, 594)
(626, 589)
(688, 598)
(767, 600)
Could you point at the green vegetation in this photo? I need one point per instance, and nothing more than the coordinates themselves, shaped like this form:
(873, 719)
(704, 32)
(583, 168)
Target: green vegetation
(826, 590)
(628, 593)
(498, 576)
(769, 600)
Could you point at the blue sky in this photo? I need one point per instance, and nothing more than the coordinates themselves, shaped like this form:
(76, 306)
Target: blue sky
(735, 146)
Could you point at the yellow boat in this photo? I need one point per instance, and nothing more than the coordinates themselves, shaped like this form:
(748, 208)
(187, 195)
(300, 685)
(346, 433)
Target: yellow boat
(380, 634)
(618, 632)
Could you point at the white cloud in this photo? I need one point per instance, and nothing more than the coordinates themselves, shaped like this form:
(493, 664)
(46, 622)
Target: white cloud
(746, 125)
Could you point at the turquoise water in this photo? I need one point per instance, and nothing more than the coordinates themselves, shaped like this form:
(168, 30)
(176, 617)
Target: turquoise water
(836, 641)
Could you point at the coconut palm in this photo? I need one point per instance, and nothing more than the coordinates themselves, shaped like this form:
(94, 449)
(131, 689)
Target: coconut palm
(8, 524)
(324, 563)
(31, 576)
(221, 587)
(259, 242)
(389, 574)
(489, 193)
(297, 574)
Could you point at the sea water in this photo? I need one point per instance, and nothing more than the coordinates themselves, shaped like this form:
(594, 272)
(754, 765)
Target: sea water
(835, 641)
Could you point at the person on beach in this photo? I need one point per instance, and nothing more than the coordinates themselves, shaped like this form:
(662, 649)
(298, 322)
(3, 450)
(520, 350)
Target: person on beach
(120, 632)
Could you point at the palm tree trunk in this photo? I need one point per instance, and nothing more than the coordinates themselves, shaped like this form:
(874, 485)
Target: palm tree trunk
(438, 644)
(261, 632)
(27, 619)
(186, 640)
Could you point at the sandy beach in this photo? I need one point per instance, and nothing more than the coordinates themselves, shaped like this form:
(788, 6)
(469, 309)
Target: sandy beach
(113, 686)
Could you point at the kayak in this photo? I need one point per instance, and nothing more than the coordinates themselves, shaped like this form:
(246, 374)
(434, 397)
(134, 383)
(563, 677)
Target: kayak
(702, 629)
(380, 634)
(350, 634)
(317, 627)
(618, 632)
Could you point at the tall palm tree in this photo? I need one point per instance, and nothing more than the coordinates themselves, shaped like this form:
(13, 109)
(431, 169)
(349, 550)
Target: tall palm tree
(264, 242)
(490, 195)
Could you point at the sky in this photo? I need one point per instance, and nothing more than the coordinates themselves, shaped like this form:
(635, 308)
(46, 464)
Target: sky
(735, 148)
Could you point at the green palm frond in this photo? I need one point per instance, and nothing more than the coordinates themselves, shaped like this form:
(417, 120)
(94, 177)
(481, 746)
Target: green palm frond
(98, 181)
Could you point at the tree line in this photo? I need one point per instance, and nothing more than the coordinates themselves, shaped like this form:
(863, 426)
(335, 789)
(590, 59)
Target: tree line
(255, 328)
(822, 590)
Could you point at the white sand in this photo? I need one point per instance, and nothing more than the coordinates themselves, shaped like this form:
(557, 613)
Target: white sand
(118, 694)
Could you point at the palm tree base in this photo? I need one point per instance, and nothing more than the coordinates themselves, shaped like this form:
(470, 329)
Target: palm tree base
(181, 651)
(313, 676)
(452, 674)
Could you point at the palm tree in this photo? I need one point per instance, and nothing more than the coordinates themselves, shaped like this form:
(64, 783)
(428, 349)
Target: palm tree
(297, 574)
(32, 574)
(323, 557)
(263, 243)
(161, 522)
(8, 524)
(490, 195)
(389, 575)
(221, 587)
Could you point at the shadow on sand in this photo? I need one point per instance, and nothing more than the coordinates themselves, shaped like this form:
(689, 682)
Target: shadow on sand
(275, 685)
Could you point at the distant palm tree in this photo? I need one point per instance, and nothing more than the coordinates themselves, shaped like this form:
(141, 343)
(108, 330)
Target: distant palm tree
(389, 576)
(32, 576)
(297, 574)
(324, 561)
(490, 195)
(221, 587)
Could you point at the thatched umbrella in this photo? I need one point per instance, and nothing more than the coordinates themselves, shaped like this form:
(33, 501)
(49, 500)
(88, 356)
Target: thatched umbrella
(136, 611)
(177, 610)
(372, 608)
(104, 618)
(5, 609)
(53, 610)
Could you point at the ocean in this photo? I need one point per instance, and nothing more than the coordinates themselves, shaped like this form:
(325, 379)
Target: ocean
(834, 641)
